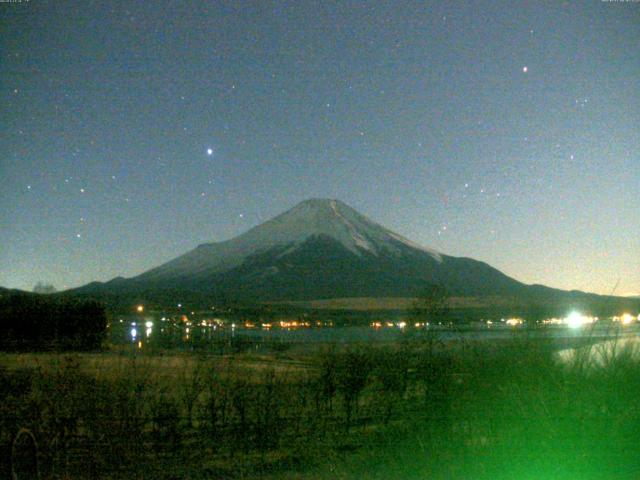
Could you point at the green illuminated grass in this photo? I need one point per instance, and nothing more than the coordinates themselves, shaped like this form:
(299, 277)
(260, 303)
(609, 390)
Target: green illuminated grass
(416, 410)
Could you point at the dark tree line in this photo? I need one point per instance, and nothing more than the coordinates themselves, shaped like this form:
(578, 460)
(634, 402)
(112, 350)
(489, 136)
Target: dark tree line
(34, 322)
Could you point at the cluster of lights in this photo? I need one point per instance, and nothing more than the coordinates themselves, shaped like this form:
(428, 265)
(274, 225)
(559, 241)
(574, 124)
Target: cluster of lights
(577, 320)
(626, 319)
(553, 321)
(573, 320)
(293, 324)
(210, 322)
(402, 324)
(513, 322)
(289, 324)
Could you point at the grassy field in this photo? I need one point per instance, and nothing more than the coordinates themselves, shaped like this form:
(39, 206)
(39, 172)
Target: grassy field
(395, 303)
(416, 409)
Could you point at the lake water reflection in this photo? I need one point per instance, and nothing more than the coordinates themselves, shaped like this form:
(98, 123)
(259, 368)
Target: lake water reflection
(172, 334)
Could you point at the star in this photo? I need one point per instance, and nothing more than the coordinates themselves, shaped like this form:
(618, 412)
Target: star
(525, 69)
(209, 151)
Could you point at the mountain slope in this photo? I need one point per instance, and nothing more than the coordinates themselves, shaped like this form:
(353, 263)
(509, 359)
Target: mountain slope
(320, 249)
(311, 218)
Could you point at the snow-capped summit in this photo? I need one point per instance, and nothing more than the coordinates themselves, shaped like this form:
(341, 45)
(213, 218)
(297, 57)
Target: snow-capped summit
(320, 248)
(331, 218)
(309, 219)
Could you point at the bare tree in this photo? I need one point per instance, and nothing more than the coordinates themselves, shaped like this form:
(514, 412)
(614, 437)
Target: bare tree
(431, 306)
(45, 288)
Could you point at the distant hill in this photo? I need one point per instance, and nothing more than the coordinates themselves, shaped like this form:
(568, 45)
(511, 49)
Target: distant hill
(323, 249)
(14, 291)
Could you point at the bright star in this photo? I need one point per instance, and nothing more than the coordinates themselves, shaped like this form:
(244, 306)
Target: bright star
(209, 151)
(525, 69)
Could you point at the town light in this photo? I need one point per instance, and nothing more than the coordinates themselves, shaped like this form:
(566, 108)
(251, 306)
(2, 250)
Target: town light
(577, 320)
(626, 319)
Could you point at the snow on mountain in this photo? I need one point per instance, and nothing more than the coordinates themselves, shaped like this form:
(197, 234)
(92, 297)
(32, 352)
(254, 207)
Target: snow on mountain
(332, 218)
(323, 249)
(310, 218)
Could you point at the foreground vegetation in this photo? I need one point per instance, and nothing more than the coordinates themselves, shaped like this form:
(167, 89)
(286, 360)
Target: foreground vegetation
(417, 409)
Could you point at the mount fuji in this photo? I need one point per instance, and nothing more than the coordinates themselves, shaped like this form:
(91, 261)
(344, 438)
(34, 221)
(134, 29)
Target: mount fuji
(319, 249)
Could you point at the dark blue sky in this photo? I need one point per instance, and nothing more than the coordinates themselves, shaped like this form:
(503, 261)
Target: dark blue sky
(504, 131)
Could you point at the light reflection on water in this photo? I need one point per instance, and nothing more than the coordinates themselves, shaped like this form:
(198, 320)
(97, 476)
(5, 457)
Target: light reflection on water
(179, 333)
(602, 353)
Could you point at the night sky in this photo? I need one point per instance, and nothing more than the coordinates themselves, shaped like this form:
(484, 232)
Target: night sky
(502, 131)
